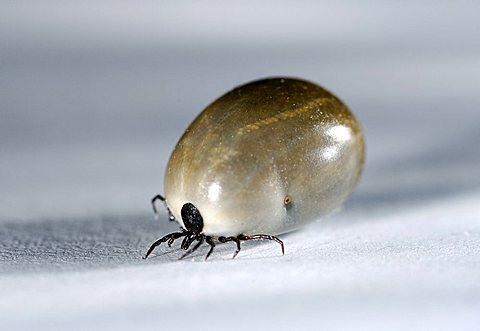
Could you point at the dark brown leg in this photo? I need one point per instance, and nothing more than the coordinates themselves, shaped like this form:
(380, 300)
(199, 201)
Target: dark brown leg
(170, 242)
(161, 198)
(262, 237)
(209, 241)
(186, 241)
(169, 237)
(189, 240)
(235, 239)
(200, 239)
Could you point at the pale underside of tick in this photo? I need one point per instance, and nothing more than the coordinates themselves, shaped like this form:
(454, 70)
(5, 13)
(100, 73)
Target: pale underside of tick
(265, 158)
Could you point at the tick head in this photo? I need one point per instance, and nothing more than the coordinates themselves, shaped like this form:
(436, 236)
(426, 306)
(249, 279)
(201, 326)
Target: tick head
(192, 219)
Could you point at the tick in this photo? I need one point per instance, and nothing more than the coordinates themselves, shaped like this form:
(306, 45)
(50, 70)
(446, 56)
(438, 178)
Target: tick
(264, 159)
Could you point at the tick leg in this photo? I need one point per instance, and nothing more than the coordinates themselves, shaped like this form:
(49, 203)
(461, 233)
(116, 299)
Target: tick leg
(188, 241)
(170, 242)
(200, 239)
(182, 245)
(168, 237)
(155, 211)
(235, 239)
(262, 237)
(154, 199)
(209, 241)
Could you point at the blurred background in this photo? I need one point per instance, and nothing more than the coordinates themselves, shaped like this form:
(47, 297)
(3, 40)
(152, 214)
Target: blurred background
(94, 96)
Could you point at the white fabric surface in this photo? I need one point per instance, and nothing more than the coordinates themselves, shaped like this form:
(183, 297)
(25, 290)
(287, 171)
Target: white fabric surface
(94, 97)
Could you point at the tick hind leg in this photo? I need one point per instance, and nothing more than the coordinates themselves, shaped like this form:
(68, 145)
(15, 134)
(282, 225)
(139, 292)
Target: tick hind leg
(170, 238)
(261, 237)
(162, 199)
(235, 239)
(243, 237)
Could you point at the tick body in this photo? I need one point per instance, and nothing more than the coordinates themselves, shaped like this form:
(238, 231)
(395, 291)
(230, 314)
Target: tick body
(263, 159)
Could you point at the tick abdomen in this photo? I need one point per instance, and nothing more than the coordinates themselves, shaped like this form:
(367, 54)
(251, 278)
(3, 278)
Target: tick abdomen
(256, 145)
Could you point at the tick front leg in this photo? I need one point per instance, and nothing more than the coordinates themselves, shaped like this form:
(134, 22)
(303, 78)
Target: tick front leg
(169, 237)
(201, 239)
(189, 239)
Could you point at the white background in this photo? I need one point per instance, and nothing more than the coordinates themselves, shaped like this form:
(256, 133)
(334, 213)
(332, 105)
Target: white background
(94, 96)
